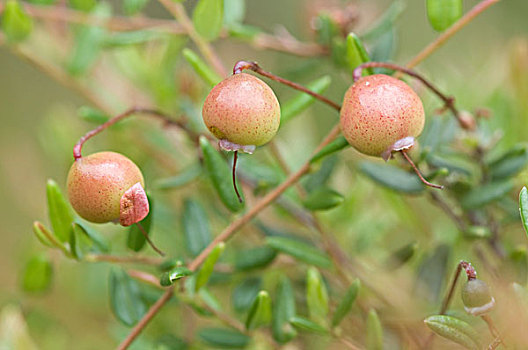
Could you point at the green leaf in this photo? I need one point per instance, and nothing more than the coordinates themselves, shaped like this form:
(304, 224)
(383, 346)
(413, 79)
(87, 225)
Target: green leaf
(320, 177)
(245, 293)
(327, 29)
(260, 312)
(302, 101)
(323, 198)
(37, 274)
(234, 12)
(335, 146)
(509, 163)
(132, 7)
(43, 233)
(374, 331)
(88, 42)
(169, 277)
(16, 23)
(443, 13)
(132, 38)
(316, 295)
(523, 208)
(356, 53)
(170, 342)
(208, 17)
(305, 324)
(392, 177)
(344, 306)
(283, 311)
(480, 196)
(477, 232)
(402, 255)
(432, 272)
(125, 298)
(135, 239)
(220, 174)
(60, 214)
(254, 258)
(386, 22)
(201, 68)
(94, 235)
(208, 266)
(195, 226)
(224, 338)
(242, 31)
(83, 5)
(186, 176)
(92, 115)
(455, 330)
(299, 250)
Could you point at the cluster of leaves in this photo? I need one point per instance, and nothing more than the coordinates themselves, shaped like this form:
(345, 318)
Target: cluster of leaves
(285, 275)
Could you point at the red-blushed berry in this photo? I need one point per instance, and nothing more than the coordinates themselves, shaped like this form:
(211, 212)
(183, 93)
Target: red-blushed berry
(242, 112)
(107, 187)
(381, 114)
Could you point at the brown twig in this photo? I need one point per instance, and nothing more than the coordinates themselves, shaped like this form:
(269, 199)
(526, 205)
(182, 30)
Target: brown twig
(225, 235)
(132, 259)
(461, 23)
(134, 110)
(243, 65)
(288, 45)
(144, 277)
(178, 11)
(417, 171)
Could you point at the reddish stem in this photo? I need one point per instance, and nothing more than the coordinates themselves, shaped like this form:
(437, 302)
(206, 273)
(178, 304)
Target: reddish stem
(134, 110)
(449, 101)
(417, 171)
(147, 238)
(243, 65)
(235, 157)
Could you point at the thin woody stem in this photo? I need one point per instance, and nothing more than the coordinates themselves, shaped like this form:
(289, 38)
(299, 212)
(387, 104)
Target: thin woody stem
(243, 65)
(493, 330)
(132, 259)
(449, 101)
(134, 110)
(235, 157)
(147, 238)
(225, 235)
(417, 171)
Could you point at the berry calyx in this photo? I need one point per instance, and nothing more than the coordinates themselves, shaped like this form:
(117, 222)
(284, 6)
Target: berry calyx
(381, 114)
(107, 186)
(242, 112)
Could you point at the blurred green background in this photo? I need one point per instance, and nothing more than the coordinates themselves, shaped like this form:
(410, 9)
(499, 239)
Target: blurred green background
(39, 124)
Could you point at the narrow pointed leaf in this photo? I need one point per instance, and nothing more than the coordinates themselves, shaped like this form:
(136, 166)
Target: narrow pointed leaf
(220, 174)
(254, 258)
(169, 277)
(356, 53)
(42, 234)
(245, 293)
(135, 238)
(335, 146)
(37, 274)
(306, 325)
(302, 101)
(485, 194)
(208, 266)
(374, 331)
(16, 23)
(323, 198)
(92, 115)
(183, 178)
(94, 235)
(283, 311)
(299, 250)
(201, 68)
(443, 13)
(132, 7)
(523, 208)
(60, 214)
(402, 255)
(234, 11)
(455, 330)
(344, 306)
(125, 298)
(195, 226)
(509, 163)
(316, 295)
(224, 338)
(392, 177)
(260, 312)
(208, 17)
(386, 22)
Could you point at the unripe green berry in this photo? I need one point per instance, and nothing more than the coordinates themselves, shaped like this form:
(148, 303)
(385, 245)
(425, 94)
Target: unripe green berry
(242, 110)
(378, 112)
(476, 296)
(107, 186)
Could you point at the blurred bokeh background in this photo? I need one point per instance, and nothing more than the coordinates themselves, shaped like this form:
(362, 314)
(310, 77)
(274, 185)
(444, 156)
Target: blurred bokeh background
(485, 64)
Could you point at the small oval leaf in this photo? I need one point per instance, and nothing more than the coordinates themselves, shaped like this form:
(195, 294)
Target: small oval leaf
(305, 324)
(346, 303)
(302, 101)
(208, 266)
(201, 68)
(323, 198)
(392, 177)
(16, 23)
(245, 292)
(37, 274)
(299, 250)
(220, 174)
(208, 17)
(523, 208)
(356, 53)
(254, 258)
(169, 277)
(125, 298)
(260, 312)
(480, 196)
(283, 311)
(443, 13)
(60, 214)
(335, 146)
(316, 295)
(455, 330)
(374, 331)
(224, 338)
(195, 226)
